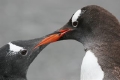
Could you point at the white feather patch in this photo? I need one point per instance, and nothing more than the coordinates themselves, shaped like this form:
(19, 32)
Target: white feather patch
(76, 15)
(90, 69)
(14, 48)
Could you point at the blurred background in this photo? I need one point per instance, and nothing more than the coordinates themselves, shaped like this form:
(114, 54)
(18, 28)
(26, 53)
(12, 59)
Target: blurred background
(28, 19)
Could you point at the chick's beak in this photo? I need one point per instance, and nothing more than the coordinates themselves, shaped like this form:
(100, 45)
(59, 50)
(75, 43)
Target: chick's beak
(53, 37)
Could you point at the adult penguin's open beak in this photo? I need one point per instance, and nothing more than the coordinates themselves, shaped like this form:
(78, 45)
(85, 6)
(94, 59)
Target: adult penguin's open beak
(53, 37)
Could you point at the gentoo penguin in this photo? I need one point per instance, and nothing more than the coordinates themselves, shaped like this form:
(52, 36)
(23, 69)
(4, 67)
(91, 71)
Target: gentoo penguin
(16, 57)
(99, 32)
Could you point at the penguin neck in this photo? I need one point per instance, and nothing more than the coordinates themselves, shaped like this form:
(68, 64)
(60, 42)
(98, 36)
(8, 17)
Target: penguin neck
(90, 69)
(4, 77)
(105, 58)
(12, 76)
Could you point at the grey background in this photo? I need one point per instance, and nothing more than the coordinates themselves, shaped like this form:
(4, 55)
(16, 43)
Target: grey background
(28, 19)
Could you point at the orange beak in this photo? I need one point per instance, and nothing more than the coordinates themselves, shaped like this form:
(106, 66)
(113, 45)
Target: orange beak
(52, 38)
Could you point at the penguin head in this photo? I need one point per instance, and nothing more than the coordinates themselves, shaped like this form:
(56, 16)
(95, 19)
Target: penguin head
(16, 56)
(89, 24)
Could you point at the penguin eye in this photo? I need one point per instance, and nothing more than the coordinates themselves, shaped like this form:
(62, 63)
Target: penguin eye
(75, 24)
(23, 52)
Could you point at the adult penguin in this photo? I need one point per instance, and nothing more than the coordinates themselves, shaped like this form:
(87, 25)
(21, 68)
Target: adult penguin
(99, 32)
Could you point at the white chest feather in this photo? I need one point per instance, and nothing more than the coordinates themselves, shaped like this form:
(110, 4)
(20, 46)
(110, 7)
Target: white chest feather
(90, 69)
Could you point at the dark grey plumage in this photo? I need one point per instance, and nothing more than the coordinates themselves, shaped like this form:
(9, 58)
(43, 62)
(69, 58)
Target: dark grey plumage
(99, 31)
(14, 65)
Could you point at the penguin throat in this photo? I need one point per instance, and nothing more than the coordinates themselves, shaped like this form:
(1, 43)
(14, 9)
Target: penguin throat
(90, 69)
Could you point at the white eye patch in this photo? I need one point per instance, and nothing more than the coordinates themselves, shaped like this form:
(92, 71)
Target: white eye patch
(76, 15)
(14, 48)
